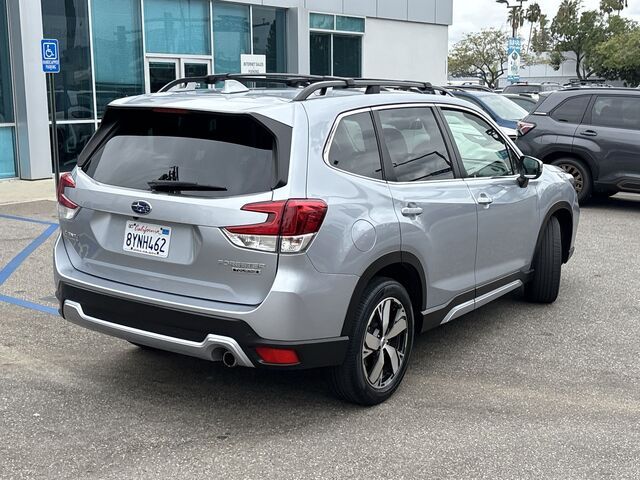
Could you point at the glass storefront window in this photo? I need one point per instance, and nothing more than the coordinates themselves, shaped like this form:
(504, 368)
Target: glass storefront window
(177, 26)
(7, 153)
(6, 96)
(72, 137)
(320, 46)
(321, 21)
(269, 37)
(230, 36)
(350, 24)
(117, 50)
(68, 21)
(347, 56)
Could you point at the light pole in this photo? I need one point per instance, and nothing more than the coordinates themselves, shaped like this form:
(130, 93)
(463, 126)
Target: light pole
(514, 17)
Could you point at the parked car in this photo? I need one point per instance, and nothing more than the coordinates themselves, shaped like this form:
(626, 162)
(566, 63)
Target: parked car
(524, 100)
(592, 133)
(502, 110)
(534, 89)
(308, 226)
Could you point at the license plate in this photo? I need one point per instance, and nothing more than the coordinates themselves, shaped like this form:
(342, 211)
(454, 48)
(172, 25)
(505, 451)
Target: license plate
(147, 239)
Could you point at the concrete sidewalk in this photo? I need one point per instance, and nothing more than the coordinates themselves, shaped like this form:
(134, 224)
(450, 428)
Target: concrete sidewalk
(22, 191)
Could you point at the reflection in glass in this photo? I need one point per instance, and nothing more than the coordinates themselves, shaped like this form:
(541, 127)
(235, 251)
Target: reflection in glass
(350, 24)
(161, 73)
(269, 37)
(347, 56)
(181, 27)
(6, 100)
(68, 21)
(7, 153)
(230, 36)
(117, 49)
(320, 48)
(319, 20)
(72, 137)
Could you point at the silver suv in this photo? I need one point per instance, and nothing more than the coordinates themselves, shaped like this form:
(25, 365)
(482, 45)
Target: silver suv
(294, 222)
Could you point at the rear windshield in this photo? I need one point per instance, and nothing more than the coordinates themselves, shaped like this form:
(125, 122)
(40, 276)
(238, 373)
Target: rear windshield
(523, 89)
(503, 107)
(233, 152)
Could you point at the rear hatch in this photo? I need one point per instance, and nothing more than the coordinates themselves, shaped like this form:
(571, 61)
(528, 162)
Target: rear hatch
(155, 186)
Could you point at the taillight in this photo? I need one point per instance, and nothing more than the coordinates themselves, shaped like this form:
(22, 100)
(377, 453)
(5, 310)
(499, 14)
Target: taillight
(289, 227)
(525, 127)
(66, 208)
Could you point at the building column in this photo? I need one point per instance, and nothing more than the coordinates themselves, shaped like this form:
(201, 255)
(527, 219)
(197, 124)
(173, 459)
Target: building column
(29, 90)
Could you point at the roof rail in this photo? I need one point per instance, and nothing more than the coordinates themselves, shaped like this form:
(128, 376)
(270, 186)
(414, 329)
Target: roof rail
(288, 79)
(371, 86)
(310, 84)
(480, 88)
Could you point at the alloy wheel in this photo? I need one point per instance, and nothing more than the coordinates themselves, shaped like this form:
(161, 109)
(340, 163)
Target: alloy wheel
(385, 343)
(576, 173)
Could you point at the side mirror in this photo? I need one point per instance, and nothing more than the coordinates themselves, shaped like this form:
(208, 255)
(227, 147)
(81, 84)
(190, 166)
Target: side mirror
(530, 169)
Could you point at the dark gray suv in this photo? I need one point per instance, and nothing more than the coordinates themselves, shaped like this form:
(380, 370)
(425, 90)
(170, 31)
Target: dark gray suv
(591, 133)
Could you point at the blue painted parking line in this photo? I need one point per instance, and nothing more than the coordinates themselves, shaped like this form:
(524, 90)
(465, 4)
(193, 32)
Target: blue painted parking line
(13, 265)
(26, 219)
(27, 304)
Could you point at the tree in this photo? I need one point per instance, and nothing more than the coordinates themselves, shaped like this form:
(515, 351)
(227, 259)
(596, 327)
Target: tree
(533, 17)
(610, 6)
(541, 37)
(482, 54)
(516, 19)
(577, 33)
(619, 57)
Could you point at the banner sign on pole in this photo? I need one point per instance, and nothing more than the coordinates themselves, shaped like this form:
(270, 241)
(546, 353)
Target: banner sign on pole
(513, 59)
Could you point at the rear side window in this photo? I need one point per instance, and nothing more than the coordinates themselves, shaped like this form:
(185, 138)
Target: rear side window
(354, 147)
(616, 112)
(234, 152)
(571, 110)
(415, 145)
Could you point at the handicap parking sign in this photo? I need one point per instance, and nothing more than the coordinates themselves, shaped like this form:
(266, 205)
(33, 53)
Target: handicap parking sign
(50, 55)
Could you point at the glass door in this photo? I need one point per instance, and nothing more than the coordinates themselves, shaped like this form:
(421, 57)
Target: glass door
(161, 71)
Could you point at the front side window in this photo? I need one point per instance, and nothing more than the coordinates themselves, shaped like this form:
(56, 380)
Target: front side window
(354, 147)
(616, 112)
(415, 144)
(483, 151)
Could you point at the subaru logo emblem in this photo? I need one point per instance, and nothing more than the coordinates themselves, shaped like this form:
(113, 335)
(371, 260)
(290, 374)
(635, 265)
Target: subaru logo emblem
(141, 207)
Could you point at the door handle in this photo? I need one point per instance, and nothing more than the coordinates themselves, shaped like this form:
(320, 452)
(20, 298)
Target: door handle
(411, 211)
(589, 133)
(484, 199)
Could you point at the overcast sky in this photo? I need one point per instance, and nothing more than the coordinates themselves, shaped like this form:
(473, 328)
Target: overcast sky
(472, 15)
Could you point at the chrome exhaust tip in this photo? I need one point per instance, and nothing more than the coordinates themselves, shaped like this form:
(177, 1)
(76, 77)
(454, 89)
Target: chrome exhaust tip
(229, 359)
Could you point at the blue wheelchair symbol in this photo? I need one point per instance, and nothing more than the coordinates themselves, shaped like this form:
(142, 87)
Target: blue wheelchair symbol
(49, 51)
(50, 56)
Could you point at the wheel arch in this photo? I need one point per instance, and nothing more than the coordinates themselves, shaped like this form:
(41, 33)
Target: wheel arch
(562, 211)
(585, 159)
(403, 267)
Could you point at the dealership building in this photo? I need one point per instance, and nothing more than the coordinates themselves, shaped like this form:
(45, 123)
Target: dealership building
(114, 48)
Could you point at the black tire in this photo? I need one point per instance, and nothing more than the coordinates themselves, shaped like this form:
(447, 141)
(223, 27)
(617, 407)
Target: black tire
(581, 174)
(350, 380)
(547, 266)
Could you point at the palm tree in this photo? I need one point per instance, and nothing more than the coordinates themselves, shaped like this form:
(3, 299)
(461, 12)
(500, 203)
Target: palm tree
(516, 19)
(533, 17)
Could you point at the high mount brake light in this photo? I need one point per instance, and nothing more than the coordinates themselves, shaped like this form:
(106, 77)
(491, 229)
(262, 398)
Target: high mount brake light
(289, 227)
(66, 208)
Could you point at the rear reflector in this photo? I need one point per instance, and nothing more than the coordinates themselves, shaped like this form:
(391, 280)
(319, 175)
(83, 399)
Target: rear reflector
(289, 227)
(278, 356)
(525, 127)
(66, 208)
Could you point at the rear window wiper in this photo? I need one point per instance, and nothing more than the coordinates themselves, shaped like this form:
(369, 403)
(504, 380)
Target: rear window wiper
(176, 186)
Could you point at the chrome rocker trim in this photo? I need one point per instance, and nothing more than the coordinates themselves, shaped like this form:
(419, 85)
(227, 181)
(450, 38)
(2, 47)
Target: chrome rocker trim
(211, 348)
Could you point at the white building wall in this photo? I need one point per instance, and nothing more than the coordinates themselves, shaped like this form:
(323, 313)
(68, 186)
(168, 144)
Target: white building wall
(406, 50)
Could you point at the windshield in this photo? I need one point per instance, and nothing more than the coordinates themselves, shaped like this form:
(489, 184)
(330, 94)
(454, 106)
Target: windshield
(504, 108)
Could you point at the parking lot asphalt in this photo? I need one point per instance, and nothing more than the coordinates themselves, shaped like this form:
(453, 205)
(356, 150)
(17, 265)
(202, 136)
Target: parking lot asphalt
(513, 390)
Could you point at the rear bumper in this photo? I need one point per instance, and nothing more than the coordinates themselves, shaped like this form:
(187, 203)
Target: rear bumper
(296, 314)
(185, 333)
